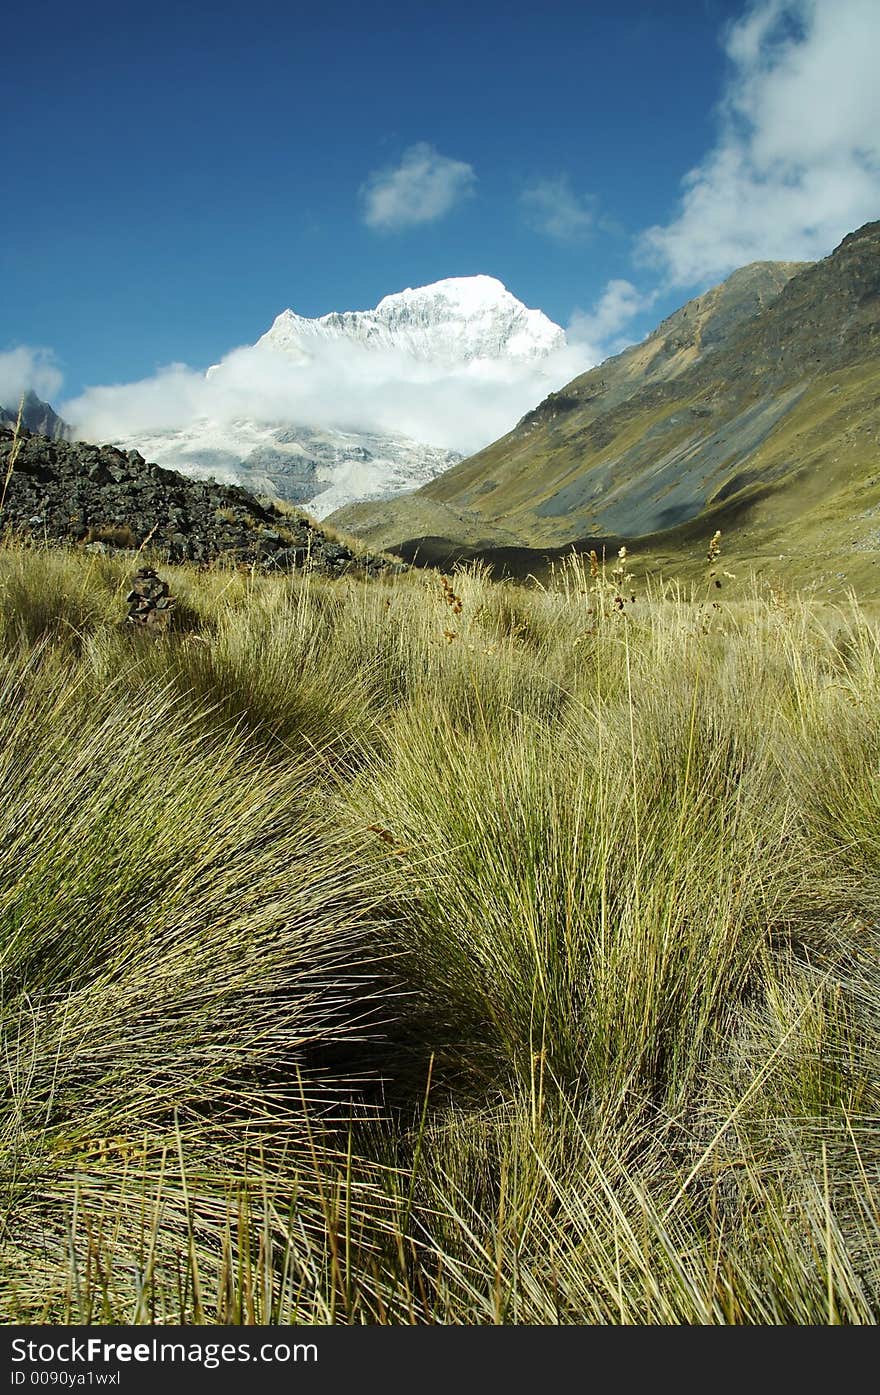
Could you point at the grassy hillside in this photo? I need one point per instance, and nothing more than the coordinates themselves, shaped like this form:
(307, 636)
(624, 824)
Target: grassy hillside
(741, 412)
(435, 950)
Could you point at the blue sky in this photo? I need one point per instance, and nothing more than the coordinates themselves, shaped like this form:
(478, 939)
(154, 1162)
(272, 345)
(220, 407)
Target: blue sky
(177, 176)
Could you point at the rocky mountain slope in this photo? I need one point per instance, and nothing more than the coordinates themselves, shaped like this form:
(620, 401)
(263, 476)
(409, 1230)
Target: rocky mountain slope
(471, 326)
(477, 501)
(104, 498)
(755, 408)
(36, 416)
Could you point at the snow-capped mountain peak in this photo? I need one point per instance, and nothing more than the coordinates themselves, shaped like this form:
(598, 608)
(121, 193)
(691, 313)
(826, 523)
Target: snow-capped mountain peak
(451, 322)
(363, 404)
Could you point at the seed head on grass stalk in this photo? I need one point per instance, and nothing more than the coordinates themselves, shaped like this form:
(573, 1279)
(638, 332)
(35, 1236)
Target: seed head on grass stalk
(452, 600)
(611, 588)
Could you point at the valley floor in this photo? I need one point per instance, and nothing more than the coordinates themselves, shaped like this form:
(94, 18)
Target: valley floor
(429, 949)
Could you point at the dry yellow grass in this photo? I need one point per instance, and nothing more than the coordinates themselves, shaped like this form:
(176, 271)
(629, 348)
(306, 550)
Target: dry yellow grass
(433, 950)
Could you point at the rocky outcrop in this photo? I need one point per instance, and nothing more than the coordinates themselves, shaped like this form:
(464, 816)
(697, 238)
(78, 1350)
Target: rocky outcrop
(106, 499)
(150, 603)
(36, 416)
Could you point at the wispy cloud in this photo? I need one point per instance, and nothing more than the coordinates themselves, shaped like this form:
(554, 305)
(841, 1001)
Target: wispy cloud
(599, 332)
(552, 207)
(797, 161)
(421, 189)
(25, 368)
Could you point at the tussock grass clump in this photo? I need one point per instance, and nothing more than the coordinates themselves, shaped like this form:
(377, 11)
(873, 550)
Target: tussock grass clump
(183, 936)
(42, 594)
(434, 950)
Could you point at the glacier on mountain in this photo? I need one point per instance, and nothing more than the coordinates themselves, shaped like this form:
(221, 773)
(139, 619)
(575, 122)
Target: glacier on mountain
(352, 405)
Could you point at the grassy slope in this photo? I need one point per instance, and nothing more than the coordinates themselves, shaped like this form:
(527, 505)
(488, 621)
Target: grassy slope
(437, 951)
(773, 436)
(470, 501)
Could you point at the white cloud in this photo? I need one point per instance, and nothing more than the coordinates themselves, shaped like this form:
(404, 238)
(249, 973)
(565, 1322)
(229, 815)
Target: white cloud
(597, 333)
(421, 189)
(552, 207)
(343, 385)
(27, 368)
(797, 162)
(619, 303)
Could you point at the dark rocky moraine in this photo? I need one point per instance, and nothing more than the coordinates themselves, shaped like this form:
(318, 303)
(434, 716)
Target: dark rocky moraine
(103, 498)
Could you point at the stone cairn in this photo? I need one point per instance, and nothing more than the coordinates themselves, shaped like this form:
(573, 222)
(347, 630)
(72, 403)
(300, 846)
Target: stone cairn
(149, 602)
